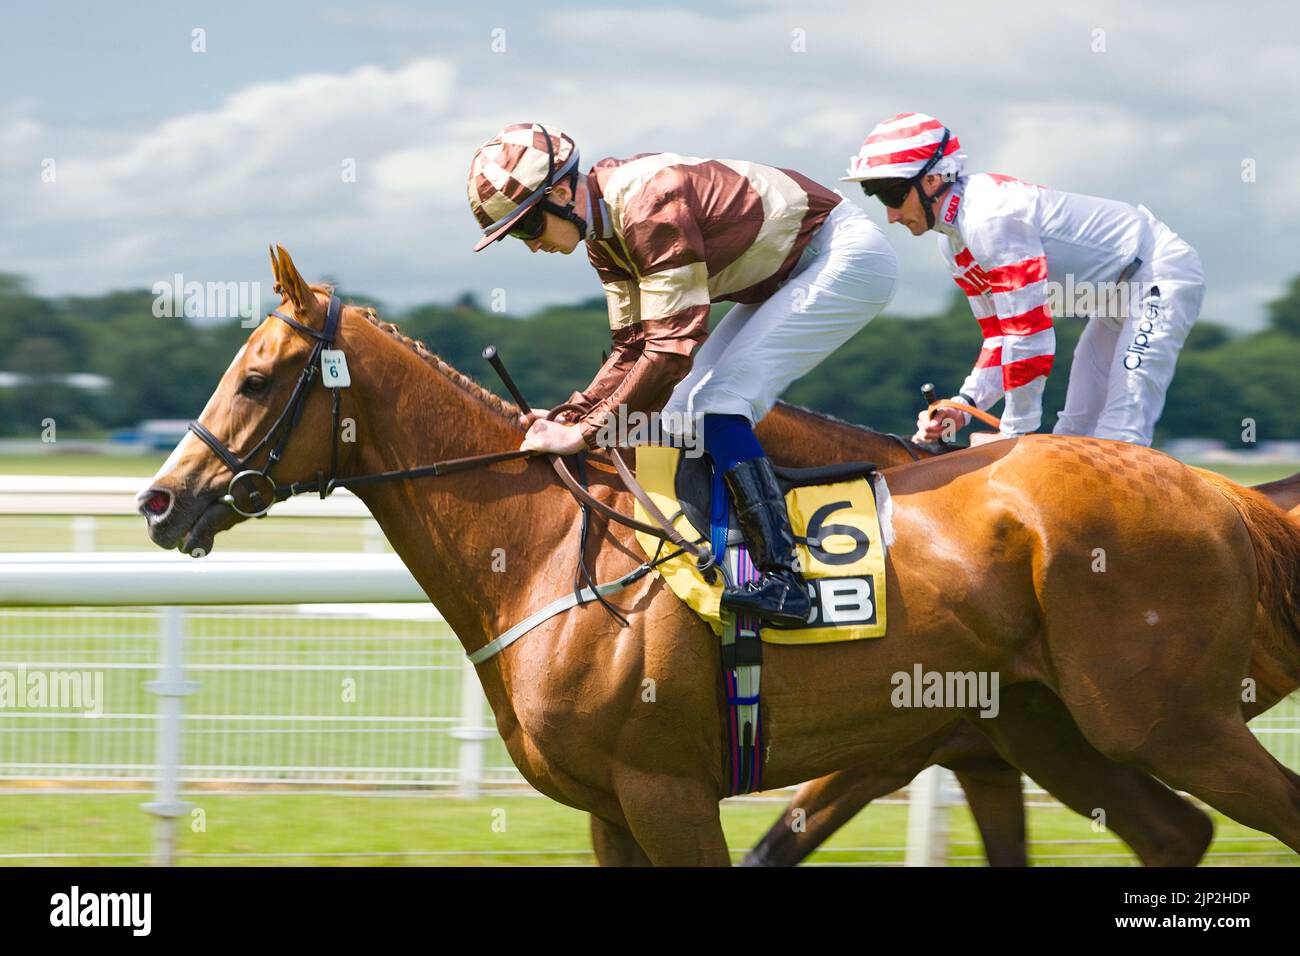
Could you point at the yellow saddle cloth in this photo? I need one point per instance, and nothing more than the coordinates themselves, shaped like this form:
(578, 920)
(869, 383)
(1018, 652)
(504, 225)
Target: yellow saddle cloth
(840, 546)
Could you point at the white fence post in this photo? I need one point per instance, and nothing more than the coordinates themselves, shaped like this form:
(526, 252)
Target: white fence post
(171, 688)
(83, 533)
(471, 733)
(373, 540)
(927, 818)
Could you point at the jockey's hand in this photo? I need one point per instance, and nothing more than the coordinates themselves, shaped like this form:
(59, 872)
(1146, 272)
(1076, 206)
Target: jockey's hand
(527, 418)
(553, 437)
(930, 427)
(983, 438)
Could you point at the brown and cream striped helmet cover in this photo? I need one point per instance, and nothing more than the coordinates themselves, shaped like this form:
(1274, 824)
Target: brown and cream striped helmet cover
(509, 174)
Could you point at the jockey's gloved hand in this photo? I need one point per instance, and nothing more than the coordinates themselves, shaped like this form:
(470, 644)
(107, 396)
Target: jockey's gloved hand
(941, 424)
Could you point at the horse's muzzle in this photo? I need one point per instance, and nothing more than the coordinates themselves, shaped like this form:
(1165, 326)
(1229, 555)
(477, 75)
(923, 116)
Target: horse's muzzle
(154, 503)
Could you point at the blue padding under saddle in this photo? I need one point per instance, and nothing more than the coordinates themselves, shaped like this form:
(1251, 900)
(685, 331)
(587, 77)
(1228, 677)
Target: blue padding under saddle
(719, 515)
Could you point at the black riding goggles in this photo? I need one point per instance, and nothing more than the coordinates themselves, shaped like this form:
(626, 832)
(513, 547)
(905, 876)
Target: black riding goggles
(891, 192)
(531, 224)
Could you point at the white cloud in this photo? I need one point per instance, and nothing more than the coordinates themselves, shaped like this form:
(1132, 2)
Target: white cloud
(1163, 117)
(182, 195)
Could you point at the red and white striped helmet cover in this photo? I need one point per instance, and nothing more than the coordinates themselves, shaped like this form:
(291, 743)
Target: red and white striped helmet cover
(899, 148)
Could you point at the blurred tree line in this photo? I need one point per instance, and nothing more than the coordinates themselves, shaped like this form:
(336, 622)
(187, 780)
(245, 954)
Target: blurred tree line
(167, 367)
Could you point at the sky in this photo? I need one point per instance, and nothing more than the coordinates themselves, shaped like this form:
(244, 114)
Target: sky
(140, 141)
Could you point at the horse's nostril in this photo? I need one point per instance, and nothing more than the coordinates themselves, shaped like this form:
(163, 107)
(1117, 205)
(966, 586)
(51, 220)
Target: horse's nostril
(156, 502)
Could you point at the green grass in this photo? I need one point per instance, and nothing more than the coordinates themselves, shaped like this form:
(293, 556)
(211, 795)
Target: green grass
(330, 829)
(1251, 474)
(127, 533)
(371, 828)
(143, 466)
(338, 693)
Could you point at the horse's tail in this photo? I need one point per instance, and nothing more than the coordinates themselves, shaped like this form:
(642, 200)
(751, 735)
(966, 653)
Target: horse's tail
(1276, 538)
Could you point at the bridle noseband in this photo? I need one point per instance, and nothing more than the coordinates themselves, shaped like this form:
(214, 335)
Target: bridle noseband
(262, 489)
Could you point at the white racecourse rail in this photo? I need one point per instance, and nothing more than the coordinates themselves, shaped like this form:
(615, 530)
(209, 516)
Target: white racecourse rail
(32, 503)
(91, 495)
(356, 684)
(273, 673)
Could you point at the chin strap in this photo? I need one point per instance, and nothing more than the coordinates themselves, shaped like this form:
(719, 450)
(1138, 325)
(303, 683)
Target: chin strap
(566, 212)
(927, 201)
(568, 171)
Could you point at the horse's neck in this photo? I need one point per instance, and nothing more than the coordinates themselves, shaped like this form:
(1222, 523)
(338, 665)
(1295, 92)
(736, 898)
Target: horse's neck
(797, 438)
(468, 538)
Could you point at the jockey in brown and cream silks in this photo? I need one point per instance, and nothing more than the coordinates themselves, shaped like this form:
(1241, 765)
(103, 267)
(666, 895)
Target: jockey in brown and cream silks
(668, 235)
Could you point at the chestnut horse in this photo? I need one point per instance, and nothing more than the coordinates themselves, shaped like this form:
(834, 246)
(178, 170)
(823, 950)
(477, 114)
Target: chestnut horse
(990, 572)
(1162, 828)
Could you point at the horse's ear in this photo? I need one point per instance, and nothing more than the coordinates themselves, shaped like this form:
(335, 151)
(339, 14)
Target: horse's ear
(295, 286)
(275, 270)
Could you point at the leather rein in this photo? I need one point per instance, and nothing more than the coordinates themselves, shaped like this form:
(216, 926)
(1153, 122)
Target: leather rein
(263, 491)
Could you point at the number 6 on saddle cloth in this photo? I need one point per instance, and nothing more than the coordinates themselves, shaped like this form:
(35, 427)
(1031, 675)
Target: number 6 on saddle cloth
(837, 521)
(840, 518)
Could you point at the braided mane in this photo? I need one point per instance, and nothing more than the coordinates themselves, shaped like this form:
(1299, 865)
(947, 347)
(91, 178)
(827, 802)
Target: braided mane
(494, 402)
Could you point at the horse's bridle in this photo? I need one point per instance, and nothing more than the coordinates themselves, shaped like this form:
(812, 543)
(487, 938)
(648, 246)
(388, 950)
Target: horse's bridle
(269, 492)
(263, 497)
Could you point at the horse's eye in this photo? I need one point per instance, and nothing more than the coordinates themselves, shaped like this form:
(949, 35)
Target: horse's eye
(253, 385)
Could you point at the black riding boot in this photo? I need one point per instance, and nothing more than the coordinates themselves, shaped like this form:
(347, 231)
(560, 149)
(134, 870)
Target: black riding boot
(780, 595)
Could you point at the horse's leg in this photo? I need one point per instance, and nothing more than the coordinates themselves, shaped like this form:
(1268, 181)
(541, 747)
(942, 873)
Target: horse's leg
(1223, 763)
(820, 807)
(1034, 730)
(997, 803)
(1186, 725)
(676, 821)
(615, 845)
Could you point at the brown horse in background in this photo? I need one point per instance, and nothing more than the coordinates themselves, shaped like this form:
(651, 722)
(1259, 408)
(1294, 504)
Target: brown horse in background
(1285, 492)
(626, 723)
(1159, 826)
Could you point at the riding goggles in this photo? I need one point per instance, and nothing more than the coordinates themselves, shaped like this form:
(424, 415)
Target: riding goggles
(531, 224)
(891, 192)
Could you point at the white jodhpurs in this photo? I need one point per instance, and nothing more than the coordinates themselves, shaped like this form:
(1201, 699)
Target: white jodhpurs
(844, 278)
(1121, 372)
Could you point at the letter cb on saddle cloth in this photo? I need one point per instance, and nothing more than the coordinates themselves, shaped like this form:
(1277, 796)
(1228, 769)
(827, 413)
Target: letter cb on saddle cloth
(840, 542)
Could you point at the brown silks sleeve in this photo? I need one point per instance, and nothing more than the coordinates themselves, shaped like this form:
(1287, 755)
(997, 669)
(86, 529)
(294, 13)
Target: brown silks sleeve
(628, 345)
(665, 360)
